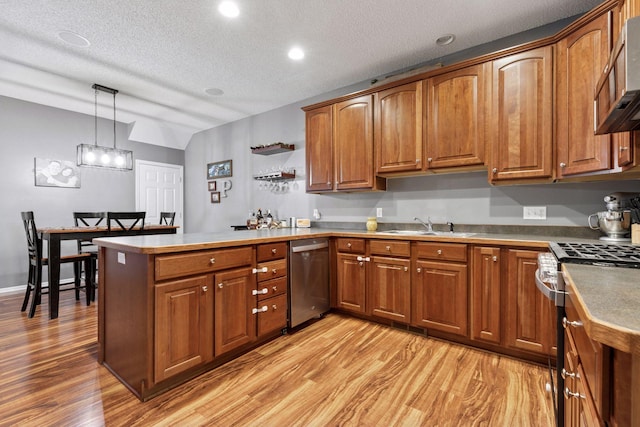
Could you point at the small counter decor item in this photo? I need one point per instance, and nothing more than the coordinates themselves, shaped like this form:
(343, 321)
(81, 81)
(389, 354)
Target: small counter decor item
(221, 169)
(372, 223)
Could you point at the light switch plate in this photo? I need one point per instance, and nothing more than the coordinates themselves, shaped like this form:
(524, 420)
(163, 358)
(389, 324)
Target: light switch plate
(534, 212)
(379, 212)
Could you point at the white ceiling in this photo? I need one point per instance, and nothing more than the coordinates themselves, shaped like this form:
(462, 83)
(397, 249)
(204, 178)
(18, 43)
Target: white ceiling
(162, 54)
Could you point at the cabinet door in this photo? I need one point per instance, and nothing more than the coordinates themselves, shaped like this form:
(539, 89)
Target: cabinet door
(184, 325)
(456, 118)
(581, 56)
(235, 323)
(485, 295)
(353, 139)
(521, 128)
(439, 296)
(398, 128)
(319, 149)
(531, 320)
(390, 288)
(352, 279)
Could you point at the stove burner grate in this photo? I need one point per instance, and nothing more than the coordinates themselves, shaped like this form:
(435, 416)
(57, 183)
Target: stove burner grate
(598, 253)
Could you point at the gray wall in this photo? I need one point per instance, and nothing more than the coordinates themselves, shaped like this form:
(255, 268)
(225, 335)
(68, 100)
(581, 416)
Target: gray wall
(30, 130)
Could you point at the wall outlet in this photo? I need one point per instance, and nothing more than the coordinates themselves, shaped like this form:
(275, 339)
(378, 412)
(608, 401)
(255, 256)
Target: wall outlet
(379, 212)
(316, 214)
(534, 212)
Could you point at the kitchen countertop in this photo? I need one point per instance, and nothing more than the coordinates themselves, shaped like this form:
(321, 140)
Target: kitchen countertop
(158, 244)
(608, 302)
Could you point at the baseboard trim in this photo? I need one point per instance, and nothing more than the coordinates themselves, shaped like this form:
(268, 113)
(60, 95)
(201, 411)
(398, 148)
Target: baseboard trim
(21, 288)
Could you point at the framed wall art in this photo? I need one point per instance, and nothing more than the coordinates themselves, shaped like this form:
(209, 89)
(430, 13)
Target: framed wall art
(56, 173)
(221, 169)
(215, 197)
(212, 185)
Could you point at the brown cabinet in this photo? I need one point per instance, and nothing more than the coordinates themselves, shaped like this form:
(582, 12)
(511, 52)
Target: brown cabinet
(521, 126)
(439, 287)
(271, 308)
(531, 318)
(389, 288)
(235, 323)
(319, 149)
(581, 56)
(486, 292)
(351, 280)
(398, 128)
(183, 325)
(456, 118)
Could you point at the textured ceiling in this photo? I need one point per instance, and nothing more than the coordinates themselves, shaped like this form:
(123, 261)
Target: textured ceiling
(162, 54)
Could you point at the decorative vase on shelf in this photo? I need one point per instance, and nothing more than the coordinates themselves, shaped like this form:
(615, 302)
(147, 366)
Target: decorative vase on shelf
(372, 224)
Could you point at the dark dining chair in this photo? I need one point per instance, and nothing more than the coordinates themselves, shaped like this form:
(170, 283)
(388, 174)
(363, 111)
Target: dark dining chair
(89, 219)
(36, 261)
(167, 218)
(126, 221)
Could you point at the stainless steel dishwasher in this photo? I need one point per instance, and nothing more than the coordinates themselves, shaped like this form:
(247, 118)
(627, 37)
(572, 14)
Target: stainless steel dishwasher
(309, 280)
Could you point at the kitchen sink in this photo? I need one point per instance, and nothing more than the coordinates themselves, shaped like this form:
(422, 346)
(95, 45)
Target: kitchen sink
(426, 233)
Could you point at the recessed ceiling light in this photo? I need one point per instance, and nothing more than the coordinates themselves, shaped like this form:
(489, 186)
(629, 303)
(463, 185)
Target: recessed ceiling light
(445, 39)
(229, 9)
(74, 38)
(214, 91)
(296, 53)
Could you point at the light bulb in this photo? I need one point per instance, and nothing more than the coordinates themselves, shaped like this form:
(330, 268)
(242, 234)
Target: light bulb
(90, 157)
(119, 160)
(105, 159)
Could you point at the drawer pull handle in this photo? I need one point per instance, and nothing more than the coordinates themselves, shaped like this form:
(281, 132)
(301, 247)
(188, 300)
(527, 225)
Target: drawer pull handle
(439, 251)
(566, 323)
(275, 289)
(260, 310)
(419, 270)
(274, 307)
(205, 289)
(274, 271)
(212, 261)
(495, 258)
(388, 248)
(260, 270)
(406, 269)
(221, 285)
(349, 244)
(569, 394)
(566, 374)
(274, 250)
(260, 292)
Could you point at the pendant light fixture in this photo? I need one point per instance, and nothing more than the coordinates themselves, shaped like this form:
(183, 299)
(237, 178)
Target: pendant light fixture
(99, 156)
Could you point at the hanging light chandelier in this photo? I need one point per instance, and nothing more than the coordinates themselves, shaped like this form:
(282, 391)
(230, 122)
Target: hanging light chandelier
(100, 156)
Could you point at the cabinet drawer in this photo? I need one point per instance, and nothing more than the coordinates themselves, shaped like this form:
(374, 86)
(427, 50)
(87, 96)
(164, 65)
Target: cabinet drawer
(350, 245)
(274, 269)
(390, 247)
(271, 288)
(169, 266)
(272, 314)
(442, 251)
(270, 251)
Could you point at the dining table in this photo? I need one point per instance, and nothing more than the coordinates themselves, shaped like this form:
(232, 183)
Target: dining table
(55, 235)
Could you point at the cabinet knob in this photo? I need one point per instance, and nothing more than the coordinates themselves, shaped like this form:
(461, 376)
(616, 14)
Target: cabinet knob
(205, 289)
(566, 323)
(439, 251)
(275, 289)
(566, 374)
(495, 258)
(274, 307)
(221, 285)
(429, 159)
(623, 148)
(569, 394)
(406, 269)
(328, 182)
(274, 271)
(212, 261)
(563, 165)
(349, 244)
(274, 250)
(494, 170)
(388, 248)
(419, 270)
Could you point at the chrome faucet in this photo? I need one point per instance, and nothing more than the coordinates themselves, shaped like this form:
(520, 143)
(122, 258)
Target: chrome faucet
(428, 225)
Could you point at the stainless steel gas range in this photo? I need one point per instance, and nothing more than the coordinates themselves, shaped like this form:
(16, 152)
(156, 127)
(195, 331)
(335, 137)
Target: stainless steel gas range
(550, 282)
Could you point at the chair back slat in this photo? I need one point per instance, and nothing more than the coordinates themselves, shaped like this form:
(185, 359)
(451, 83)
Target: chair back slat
(167, 218)
(34, 242)
(88, 219)
(126, 221)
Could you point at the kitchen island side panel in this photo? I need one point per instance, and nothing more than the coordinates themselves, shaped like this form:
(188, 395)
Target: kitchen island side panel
(127, 294)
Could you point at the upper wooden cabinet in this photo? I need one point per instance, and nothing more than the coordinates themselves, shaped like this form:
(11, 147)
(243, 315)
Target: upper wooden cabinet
(398, 128)
(521, 127)
(319, 149)
(456, 118)
(581, 57)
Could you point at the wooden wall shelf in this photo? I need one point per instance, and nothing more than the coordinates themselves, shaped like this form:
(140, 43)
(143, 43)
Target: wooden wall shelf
(278, 147)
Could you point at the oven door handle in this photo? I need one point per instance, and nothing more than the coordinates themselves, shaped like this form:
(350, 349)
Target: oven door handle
(553, 294)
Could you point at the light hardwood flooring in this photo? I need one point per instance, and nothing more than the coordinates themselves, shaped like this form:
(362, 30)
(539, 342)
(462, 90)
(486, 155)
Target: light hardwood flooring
(338, 371)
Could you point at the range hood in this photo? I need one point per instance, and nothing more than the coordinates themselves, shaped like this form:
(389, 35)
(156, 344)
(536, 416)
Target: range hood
(617, 97)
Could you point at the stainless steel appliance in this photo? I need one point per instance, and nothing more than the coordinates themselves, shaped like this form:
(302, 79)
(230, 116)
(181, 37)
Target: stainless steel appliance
(309, 280)
(615, 222)
(550, 282)
(617, 98)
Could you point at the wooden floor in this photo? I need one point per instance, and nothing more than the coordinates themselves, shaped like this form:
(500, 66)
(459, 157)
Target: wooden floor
(338, 371)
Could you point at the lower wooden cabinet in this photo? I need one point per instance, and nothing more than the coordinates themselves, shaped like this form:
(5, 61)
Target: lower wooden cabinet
(351, 280)
(439, 293)
(531, 317)
(486, 293)
(184, 325)
(390, 288)
(235, 323)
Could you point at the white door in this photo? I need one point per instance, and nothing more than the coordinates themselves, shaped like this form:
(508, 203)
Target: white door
(159, 189)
